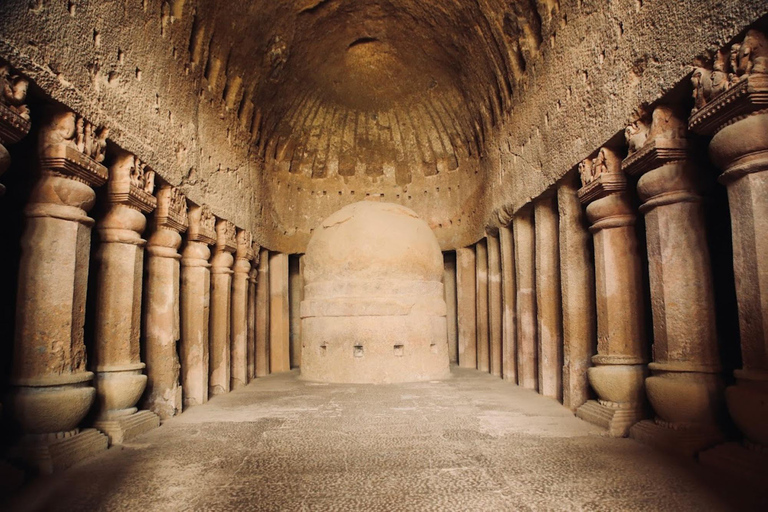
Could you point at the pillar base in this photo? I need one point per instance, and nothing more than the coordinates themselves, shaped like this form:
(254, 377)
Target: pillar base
(48, 456)
(616, 420)
(685, 440)
(125, 428)
(737, 459)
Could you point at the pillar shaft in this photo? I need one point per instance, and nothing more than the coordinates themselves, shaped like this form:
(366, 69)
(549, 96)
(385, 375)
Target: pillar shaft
(262, 316)
(509, 305)
(466, 314)
(252, 280)
(161, 304)
(619, 370)
(119, 263)
(449, 281)
(296, 295)
(548, 299)
(279, 311)
(50, 387)
(220, 327)
(577, 284)
(195, 305)
(495, 321)
(522, 227)
(481, 296)
(242, 268)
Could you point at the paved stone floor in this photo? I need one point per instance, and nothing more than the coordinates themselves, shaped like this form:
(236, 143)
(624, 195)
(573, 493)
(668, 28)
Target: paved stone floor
(469, 443)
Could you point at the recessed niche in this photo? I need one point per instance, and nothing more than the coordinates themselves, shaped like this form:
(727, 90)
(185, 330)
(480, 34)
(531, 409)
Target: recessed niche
(358, 351)
(399, 350)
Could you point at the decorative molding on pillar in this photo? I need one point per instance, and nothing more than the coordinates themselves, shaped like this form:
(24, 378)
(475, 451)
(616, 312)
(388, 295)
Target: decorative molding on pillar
(654, 141)
(72, 147)
(735, 87)
(601, 176)
(171, 209)
(202, 225)
(131, 183)
(226, 236)
(245, 245)
(14, 113)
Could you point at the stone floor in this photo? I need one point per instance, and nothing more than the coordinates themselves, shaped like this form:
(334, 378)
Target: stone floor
(470, 443)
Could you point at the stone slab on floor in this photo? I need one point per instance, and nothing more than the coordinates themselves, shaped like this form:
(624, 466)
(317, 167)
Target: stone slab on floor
(472, 442)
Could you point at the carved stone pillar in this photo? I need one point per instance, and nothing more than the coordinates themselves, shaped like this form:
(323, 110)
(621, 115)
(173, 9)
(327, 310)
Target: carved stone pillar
(262, 315)
(252, 280)
(221, 302)
(51, 391)
(548, 298)
(509, 305)
(577, 284)
(619, 371)
(522, 228)
(449, 282)
(239, 345)
(161, 304)
(494, 303)
(279, 327)
(296, 296)
(685, 387)
(467, 307)
(481, 294)
(195, 305)
(737, 118)
(116, 357)
(14, 114)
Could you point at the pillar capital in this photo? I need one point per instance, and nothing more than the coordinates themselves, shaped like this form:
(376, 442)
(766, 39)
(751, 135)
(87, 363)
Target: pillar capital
(245, 247)
(72, 147)
(202, 225)
(601, 176)
(171, 211)
(131, 183)
(655, 139)
(14, 113)
(226, 237)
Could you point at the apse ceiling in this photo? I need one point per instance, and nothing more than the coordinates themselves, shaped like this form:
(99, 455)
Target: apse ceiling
(369, 87)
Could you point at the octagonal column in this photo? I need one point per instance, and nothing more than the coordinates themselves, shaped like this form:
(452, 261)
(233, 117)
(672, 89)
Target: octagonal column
(619, 372)
(119, 262)
(221, 302)
(239, 344)
(509, 302)
(195, 305)
(494, 303)
(481, 294)
(737, 119)
(161, 304)
(14, 114)
(253, 275)
(525, 249)
(279, 327)
(50, 388)
(262, 315)
(548, 301)
(685, 386)
(577, 284)
(466, 307)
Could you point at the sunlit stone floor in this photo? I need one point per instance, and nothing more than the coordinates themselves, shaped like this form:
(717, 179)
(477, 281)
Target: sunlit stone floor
(469, 443)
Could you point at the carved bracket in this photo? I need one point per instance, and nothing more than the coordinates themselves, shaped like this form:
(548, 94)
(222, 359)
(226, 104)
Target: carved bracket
(171, 209)
(202, 225)
(132, 183)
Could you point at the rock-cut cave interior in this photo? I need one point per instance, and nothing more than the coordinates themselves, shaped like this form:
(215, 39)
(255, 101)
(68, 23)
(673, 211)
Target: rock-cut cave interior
(383, 255)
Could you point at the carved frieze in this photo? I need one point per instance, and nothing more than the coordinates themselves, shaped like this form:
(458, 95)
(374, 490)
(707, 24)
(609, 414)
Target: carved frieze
(226, 236)
(71, 146)
(171, 209)
(245, 244)
(735, 87)
(202, 225)
(132, 183)
(14, 113)
(601, 176)
(655, 143)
